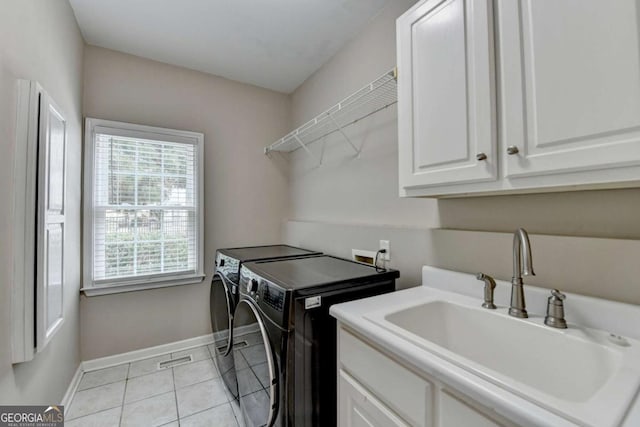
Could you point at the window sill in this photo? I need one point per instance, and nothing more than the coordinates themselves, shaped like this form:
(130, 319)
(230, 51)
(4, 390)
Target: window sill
(92, 291)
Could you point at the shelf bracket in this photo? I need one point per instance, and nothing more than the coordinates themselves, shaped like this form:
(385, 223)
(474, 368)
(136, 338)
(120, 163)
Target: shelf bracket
(304, 146)
(344, 135)
(324, 144)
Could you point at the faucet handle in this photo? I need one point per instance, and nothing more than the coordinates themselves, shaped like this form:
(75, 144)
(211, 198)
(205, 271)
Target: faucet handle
(489, 286)
(555, 310)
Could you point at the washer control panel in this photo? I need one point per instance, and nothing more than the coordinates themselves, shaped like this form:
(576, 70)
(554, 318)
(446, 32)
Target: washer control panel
(273, 297)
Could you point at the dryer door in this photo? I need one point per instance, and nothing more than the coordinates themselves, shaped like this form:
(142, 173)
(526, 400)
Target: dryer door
(256, 368)
(222, 305)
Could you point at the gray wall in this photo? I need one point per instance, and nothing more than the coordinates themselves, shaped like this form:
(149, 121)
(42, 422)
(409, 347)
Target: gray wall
(39, 40)
(344, 189)
(245, 192)
(363, 193)
(611, 273)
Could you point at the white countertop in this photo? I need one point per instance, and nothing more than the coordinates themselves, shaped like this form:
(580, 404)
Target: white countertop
(618, 318)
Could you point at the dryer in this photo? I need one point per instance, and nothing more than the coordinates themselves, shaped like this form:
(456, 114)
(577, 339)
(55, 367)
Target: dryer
(224, 297)
(287, 376)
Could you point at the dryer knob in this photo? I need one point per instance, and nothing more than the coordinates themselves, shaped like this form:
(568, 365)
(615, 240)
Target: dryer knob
(253, 286)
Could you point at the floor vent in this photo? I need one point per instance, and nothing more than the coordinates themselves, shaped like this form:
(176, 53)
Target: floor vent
(237, 344)
(175, 362)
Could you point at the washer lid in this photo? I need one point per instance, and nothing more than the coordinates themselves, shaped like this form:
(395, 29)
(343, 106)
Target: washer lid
(301, 273)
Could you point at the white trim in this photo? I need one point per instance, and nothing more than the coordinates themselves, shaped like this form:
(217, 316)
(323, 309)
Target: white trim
(141, 354)
(132, 287)
(128, 131)
(159, 350)
(142, 128)
(147, 279)
(24, 225)
(72, 388)
(200, 206)
(90, 288)
(145, 353)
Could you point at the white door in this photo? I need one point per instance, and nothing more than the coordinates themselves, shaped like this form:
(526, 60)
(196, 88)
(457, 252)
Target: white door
(358, 408)
(52, 141)
(570, 81)
(446, 108)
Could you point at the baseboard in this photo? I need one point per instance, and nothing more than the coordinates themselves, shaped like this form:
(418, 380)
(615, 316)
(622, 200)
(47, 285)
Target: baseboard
(73, 386)
(145, 353)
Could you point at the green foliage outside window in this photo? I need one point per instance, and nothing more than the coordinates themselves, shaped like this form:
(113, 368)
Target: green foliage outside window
(139, 241)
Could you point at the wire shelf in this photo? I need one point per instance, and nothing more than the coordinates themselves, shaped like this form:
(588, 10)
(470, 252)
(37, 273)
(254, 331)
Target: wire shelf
(376, 96)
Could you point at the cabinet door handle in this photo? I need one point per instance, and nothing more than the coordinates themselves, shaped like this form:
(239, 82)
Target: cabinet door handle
(481, 156)
(512, 149)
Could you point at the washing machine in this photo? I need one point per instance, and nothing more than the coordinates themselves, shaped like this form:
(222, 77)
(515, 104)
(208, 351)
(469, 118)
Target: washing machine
(287, 374)
(224, 297)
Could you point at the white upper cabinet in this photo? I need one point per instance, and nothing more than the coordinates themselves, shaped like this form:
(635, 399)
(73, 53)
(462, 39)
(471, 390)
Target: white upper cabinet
(445, 91)
(570, 74)
(567, 85)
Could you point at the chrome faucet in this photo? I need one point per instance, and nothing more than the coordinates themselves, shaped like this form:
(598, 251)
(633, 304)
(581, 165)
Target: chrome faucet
(522, 265)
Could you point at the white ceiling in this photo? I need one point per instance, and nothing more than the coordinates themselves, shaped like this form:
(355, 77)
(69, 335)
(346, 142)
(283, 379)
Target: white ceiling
(275, 44)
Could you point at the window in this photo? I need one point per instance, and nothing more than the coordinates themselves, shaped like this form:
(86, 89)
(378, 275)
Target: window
(143, 207)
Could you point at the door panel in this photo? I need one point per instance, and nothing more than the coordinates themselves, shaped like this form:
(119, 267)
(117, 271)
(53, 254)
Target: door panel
(221, 306)
(570, 84)
(454, 412)
(358, 408)
(434, 38)
(256, 369)
(52, 136)
(54, 242)
(446, 112)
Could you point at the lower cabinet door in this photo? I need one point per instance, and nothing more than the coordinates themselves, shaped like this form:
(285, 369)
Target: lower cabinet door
(454, 413)
(358, 408)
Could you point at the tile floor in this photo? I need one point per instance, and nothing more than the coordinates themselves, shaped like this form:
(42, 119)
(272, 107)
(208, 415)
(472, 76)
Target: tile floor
(139, 394)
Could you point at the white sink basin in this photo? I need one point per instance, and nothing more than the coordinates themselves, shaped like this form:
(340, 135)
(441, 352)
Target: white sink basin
(577, 373)
(563, 366)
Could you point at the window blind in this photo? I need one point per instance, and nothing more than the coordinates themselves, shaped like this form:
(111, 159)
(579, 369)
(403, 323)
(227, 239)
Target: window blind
(145, 208)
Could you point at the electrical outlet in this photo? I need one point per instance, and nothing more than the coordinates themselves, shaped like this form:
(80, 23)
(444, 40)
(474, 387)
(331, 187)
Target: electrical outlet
(384, 244)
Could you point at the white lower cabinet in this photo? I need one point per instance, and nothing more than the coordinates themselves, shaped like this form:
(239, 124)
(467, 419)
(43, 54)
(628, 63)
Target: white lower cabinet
(358, 408)
(375, 390)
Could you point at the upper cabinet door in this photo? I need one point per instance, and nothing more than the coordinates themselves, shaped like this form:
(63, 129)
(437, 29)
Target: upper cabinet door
(570, 81)
(446, 108)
